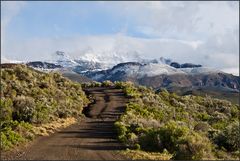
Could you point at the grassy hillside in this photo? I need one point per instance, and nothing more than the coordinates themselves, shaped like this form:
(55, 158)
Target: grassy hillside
(178, 127)
(76, 77)
(232, 96)
(31, 98)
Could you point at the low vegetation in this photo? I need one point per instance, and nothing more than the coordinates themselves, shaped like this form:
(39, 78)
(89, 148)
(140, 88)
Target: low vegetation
(31, 100)
(142, 155)
(156, 126)
(180, 127)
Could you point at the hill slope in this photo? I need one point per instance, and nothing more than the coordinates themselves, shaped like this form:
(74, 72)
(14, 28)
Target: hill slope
(30, 98)
(179, 127)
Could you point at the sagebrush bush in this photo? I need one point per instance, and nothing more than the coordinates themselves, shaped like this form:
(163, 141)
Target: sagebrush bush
(9, 138)
(107, 83)
(23, 108)
(194, 147)
(229, 137)
(6, 109)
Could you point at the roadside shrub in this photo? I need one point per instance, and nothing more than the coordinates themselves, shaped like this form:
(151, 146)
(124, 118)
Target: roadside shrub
(151, 141)
(121, 130)
(6, 109)
(194, 147)
(167, 137)
(107, 83)
(132, 138)
(171, 134)
(41, 113)
(203, 116)
(10, 138)
(229, 137)
(5, 143)
(201, 126)
(137, 147)
(119, 84)
(96, 84)
(25, 130)
(24, 108)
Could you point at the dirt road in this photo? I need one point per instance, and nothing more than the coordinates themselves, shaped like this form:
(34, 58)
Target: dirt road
(94, 138)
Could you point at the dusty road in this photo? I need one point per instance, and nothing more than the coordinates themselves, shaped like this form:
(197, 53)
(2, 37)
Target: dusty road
(94, 138)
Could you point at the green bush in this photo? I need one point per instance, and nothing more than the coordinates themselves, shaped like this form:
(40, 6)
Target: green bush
(6, 109)
(194, 147)
(24, 108)
(151, 141)
(5, 143)
(107, 83)
(204, 116)
(229, 137)
(201, 126)
(91, 84)
(41, 113)
(167, 137)
(10, 138)
(122, 130)
(137, 147)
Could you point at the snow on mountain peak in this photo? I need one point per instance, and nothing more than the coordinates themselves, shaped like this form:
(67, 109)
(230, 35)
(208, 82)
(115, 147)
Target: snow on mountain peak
(140, 70)
(61, 58)
(200, 70)
(92, 60)
(110, 58)
(158, 69)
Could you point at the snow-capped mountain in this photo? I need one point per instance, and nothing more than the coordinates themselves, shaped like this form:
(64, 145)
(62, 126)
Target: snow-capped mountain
(44, 66)
(110, 58)
(139, 70)
(98, 66)
(156, 73)
(114, 66)
(165, 76)
(91, 61)
(60, 58)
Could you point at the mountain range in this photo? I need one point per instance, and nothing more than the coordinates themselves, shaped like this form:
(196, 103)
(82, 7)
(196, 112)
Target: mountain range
(186, 78)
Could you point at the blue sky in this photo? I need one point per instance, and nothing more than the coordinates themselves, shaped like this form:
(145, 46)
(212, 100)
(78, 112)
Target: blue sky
(51, 19)
(198, 32)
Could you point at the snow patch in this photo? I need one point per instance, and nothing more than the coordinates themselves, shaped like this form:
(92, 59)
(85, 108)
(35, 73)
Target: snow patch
(158, 69)
(200, 70)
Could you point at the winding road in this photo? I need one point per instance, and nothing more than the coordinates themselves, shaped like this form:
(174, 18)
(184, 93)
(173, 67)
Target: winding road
(93, 138)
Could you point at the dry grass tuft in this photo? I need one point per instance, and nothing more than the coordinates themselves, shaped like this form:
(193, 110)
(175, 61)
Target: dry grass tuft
(138, 154)
(46, 129)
